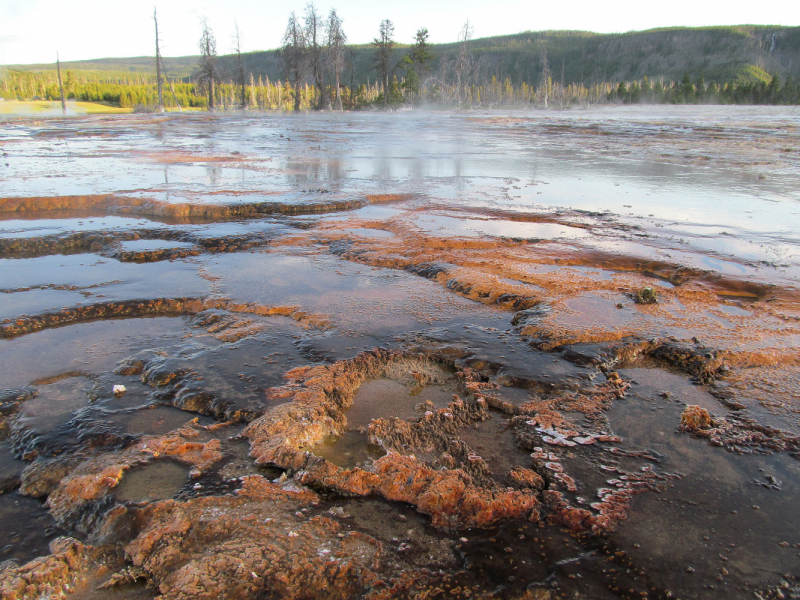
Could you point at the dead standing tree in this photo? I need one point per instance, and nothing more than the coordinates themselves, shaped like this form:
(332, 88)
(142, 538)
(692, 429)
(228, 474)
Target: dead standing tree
(61, 86)
(315, 50)
(240, 72)
(293, 56)
(546, 78)
(208, 73)
(383, 57)
(159, 77)
(335, 40)
(464, 66)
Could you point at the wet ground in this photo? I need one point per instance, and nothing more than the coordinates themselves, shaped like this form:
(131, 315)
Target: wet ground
(513, 355)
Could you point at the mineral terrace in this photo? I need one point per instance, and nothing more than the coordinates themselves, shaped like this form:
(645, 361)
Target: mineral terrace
(531, 355)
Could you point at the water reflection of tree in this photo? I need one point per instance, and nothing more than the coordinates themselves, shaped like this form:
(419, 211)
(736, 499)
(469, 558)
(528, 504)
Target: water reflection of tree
(213, 174)
(327, 173)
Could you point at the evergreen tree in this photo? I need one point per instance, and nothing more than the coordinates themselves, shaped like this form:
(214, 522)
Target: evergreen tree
(773, 92)
(687, 88)
(384, 45)
(622, 91)
(700, 88)
(647, 90)
(418, 61)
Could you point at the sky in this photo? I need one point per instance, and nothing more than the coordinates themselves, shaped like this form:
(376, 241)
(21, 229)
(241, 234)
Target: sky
(32, 31)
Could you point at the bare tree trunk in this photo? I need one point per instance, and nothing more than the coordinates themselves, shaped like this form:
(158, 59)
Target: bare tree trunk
(61, 86)
(293, 55)
(338, 93)
(546, 76)
(158, 68)
(208, 61)
(334, 55)
(174, 97)
(237, 38)
(296, 94)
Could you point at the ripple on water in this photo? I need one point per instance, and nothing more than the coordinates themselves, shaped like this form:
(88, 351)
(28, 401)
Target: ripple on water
(55, 403)
(716, 516)
(26, 528)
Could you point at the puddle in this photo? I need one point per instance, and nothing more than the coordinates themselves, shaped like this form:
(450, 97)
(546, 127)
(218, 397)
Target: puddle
(153, 421)
(443, 226)
(146, 245)
(370, 233)
(33, 302)
(361, 300)
(405, 533)
(384, 398)
(35, 227)
(597, 311)
(378, 398)
(89, 590)
(733, 310)
(650, 384)
(351, 449)
(159, 480)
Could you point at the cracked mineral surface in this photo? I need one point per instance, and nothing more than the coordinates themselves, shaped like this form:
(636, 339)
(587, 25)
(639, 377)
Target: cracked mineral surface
(530, 355)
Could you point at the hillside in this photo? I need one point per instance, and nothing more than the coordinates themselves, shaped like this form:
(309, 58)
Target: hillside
(717, 53)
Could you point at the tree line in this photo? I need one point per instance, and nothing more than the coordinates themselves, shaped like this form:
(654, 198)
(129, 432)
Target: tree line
(318, 74)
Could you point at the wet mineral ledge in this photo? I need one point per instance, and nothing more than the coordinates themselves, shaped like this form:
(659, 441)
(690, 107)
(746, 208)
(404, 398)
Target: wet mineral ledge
(513, 355)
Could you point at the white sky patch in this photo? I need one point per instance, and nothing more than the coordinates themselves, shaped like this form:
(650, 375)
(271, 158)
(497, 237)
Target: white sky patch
(32, 31)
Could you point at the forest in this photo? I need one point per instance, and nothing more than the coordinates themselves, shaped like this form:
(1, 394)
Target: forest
(315, 68)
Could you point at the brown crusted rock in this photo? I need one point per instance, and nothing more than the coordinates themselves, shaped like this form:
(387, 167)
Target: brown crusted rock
(695, 419)
(526, 478)
(576, 519)
(43, 475)
(244, 546)
(454, 498)
(449, 496)
(434, 431)
(315, 399)
(95, 476)
(48, 576)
